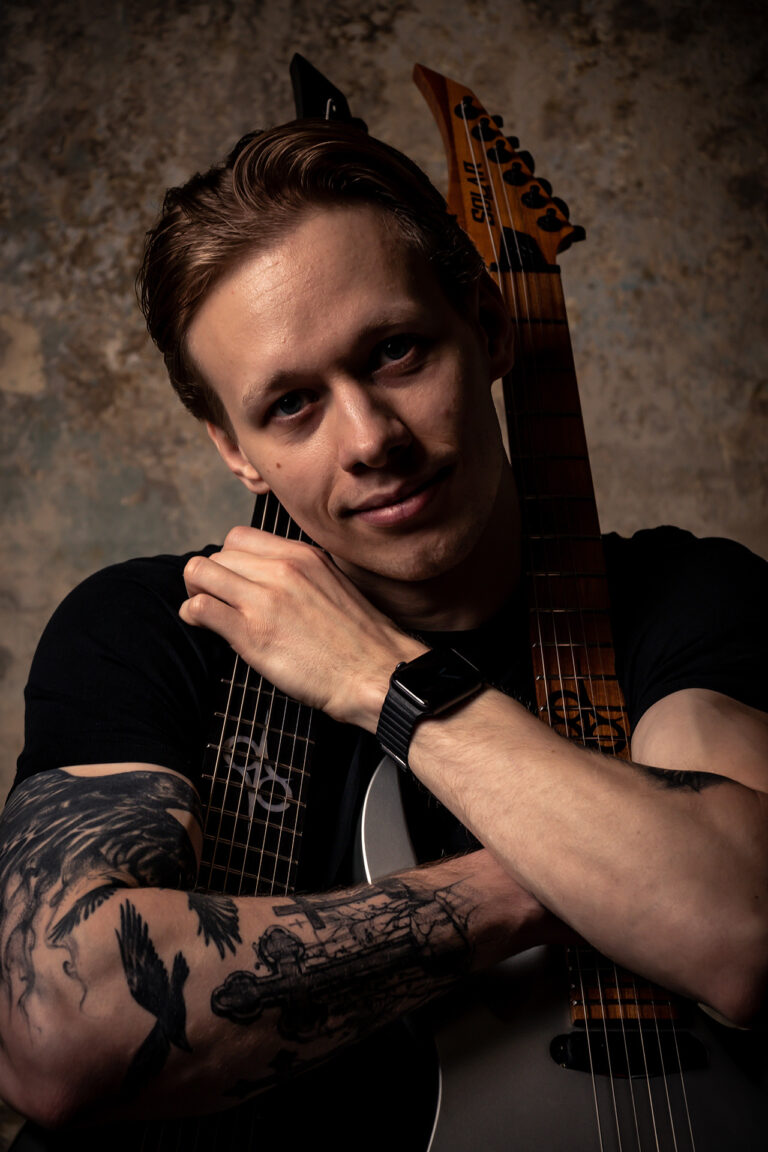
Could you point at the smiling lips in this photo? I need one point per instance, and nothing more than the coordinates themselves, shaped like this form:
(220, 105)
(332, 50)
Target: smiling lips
(402, 504)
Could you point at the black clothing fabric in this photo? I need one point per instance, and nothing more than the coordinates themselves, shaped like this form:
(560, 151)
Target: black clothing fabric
(119, 677)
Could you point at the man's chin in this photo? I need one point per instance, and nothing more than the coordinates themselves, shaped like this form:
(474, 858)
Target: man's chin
(409, 564)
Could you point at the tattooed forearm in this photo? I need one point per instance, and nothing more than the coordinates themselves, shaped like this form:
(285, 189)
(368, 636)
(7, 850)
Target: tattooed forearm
(69, 842)
(151, 987)
(692, 781)
(217, 921)
(408, 942)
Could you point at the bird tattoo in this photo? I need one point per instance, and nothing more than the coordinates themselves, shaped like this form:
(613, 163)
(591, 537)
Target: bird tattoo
(151, 987)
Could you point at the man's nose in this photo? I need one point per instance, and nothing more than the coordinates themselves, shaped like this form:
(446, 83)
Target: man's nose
(369, 429)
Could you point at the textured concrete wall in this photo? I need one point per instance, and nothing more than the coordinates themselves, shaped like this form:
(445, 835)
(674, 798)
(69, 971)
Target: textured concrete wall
(647, 115)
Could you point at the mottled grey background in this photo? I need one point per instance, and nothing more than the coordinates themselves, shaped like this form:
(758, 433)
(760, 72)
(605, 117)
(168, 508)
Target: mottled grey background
(648, 117)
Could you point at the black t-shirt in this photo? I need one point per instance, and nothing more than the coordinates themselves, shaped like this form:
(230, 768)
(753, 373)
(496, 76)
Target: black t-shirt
(119, 677)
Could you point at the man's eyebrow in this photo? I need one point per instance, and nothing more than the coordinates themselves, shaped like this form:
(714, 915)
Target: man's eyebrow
(285, 380)
(259, 390)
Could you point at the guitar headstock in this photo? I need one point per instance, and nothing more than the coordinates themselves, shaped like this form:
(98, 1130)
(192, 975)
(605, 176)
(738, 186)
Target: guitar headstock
(511, 215)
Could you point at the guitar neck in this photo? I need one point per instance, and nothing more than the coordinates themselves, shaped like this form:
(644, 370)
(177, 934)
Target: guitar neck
(256, 770)
(561, 548)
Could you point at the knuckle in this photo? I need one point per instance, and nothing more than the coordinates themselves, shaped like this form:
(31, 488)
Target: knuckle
(192, 567)
(286, 568)
(237, 537)
(197, 605)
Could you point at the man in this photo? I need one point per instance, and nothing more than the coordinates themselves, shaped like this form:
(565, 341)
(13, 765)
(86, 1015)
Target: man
(316, 305)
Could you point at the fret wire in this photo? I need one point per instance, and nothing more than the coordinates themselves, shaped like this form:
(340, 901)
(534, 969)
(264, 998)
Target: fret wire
(221, 742)
(280, 728)
(263, 689)
(218, 746)
(534, 579)
(267, 690)
(251, 787)
(263, 758)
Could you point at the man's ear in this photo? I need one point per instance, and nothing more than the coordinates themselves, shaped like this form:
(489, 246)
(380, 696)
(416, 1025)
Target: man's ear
(234, 458)
(495, 322)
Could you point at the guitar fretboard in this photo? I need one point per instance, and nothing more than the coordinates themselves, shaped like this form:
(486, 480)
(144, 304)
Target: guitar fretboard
(255, 772)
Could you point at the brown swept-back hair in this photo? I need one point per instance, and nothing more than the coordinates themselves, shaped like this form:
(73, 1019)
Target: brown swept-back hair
(250, 201)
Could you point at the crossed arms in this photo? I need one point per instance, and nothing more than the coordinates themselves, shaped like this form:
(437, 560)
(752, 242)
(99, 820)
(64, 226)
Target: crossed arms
(121, 990)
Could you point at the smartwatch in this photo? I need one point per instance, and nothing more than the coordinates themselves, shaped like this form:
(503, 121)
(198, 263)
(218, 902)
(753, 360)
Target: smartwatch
(426, 686)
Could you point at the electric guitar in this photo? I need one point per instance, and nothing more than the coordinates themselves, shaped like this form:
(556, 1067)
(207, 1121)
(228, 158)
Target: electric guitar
(566, 1053)
(551, 1051)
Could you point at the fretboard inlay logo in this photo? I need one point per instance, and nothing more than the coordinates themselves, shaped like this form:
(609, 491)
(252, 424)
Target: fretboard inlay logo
(263, 784)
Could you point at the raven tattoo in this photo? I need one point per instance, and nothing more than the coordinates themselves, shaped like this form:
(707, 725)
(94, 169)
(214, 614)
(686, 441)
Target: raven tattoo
(218, 920)
(150, 987)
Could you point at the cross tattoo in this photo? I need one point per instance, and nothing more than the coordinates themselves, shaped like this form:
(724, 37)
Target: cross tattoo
(311, 908)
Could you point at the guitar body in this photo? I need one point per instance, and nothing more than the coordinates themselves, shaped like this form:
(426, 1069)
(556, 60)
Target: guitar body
(500, 1087)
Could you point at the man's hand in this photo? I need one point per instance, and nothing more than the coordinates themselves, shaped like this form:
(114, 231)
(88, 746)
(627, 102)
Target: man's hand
(290, 613)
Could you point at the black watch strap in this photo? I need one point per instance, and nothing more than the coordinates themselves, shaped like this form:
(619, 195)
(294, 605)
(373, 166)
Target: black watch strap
(432, 683)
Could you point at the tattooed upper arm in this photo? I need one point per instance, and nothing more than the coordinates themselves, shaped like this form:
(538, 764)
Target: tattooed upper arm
(690, 781)
(696, 738)
(70, 840)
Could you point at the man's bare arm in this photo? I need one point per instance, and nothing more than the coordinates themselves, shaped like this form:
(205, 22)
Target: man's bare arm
(662, 866)
(671, 882)
(124, 990)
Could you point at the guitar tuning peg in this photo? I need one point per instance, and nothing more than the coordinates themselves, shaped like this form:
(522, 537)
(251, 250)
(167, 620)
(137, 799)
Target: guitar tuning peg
(513, 141)
(498, 121)
(545, 185)
(561, 204)
(484, 130)
(467, 110)
(528, 160)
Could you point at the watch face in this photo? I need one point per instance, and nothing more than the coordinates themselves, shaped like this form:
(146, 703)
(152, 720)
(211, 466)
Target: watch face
(437, 679)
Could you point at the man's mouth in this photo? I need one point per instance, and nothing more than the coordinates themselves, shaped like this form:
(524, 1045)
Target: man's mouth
(401, 502)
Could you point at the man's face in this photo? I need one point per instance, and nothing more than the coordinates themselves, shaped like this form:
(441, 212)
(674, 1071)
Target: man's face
(358, 395)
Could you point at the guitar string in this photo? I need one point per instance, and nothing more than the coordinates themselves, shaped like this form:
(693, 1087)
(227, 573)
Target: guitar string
(265, 794)
(608, 739)
(534, 588)
(616, 979)
(305, 716)
(240, 796)
(294, 779)
(664, 1074)
(291, 804)
(227, 786)
(207, 836)
(215, 772)
(682, 1085)
(565, 566)
(516, 313)
(275, 804)
(506, 284)
(182, 1132)
(269, 693)
(590, 641)
(620, 1006)
(531, 452)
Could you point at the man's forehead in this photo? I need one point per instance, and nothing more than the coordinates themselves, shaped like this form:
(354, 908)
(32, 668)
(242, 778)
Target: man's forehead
(342, 276)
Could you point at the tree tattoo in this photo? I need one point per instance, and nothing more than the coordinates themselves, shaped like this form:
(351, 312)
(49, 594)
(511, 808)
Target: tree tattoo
(151, 987)
(69, 843)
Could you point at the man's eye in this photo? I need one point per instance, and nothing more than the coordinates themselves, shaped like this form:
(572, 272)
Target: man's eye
(291, 404)
(396, 348)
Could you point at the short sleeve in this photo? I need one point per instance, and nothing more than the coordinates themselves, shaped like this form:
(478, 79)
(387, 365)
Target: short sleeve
(118, 676)
(687, 613)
